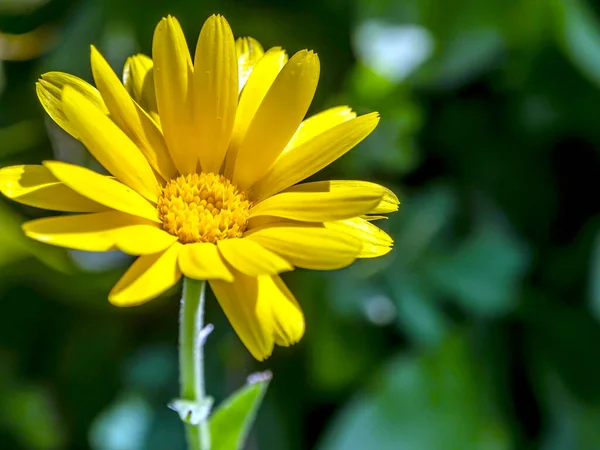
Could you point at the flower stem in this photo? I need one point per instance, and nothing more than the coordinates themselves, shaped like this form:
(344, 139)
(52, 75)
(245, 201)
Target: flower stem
(191, 358)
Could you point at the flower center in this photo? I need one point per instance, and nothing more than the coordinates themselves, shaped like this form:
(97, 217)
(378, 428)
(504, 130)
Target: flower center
(203, 207)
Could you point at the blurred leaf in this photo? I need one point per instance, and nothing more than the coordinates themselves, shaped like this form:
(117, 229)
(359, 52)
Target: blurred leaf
(424, 216)
(365, 83)
(152, 368)
(484, 272)
(578, 32)
(28, 411)
(34, 418)
(20, 6)
(15, 245)
(559, 338)
(124, 425)
(435, 400)
(419, 315)
(82, 29)
(350, 290)
(571, 424)
(392, 51)
(20, 136)
(29, 45)
(594, 278)
(463, 56)
(231, 421)
(340, 353)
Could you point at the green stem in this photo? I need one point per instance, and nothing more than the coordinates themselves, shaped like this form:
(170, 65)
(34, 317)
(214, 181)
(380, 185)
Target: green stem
(191, 358)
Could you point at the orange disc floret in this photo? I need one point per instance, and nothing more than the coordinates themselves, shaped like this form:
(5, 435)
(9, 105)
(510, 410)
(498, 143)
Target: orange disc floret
(203, 207)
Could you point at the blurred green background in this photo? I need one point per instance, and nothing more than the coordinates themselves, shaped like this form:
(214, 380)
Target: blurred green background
(479, 331)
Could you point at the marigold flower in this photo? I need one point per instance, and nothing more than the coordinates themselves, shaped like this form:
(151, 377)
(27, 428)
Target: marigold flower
(204, 159)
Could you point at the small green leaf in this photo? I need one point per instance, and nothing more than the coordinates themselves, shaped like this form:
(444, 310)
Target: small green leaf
(231, 422)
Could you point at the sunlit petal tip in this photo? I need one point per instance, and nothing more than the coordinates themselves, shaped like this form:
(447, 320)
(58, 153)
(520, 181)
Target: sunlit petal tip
(249, 45)
(375, 242)
(249, 52)
(49, 89)
(389, 203)
(34, 185)
(374, 251)
(138, 79)
(173, 73)
(215, 92)
(372, 218)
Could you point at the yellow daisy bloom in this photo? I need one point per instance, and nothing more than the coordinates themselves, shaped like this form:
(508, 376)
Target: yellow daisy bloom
(204, 158)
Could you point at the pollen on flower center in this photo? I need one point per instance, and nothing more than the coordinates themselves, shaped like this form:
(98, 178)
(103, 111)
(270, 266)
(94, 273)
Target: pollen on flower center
(203, 207)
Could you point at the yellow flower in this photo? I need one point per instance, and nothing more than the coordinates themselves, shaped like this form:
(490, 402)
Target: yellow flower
(204, 158)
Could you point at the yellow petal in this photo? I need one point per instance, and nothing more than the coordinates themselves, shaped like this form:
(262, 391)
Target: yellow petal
(319, 123)
(173, 76)
(262, 311)
(202, 261)
(375, 241)
(215, 91)
(249, 52)
(131, 118)
(388, 204)
(251, 258)
(138, 79)
(36, 186)
(277, 118)
(102, 189)
(100, 232)
(323, 201)
(49, 90)
(109, 144)
(309, 247)
(147, 278)
(308, 158)
(259, 83)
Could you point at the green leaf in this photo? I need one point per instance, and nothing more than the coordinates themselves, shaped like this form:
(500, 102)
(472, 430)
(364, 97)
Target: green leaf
(231, 422)
(579, 35)
(16, 246)
(435, 400)
(483, 273)
(424, 219)
(572, 423)
(419, 315)
(20, 137)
